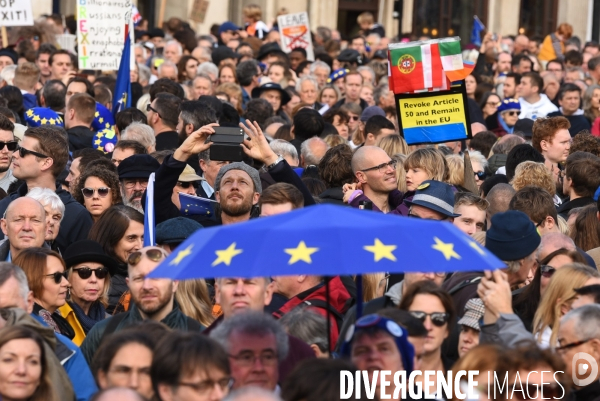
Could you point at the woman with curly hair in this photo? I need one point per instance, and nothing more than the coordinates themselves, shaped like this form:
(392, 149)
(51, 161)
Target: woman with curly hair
(534, 174)
(97, 190)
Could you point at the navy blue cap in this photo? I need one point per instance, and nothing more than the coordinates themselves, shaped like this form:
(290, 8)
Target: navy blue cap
(272, 86)
(370, 112)
(269, 48)
(8, 52)
(513, 236)
(228, 26)
(350, 55)
(399, 334)
(137, 166)
(509, 104)
(222, 53)
(176, 230)
(435, 195)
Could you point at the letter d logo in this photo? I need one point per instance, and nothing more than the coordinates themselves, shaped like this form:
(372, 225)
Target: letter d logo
(584, 369)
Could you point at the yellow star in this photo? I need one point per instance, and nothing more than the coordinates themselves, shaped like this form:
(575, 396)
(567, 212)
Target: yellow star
(100, 134)
(107, 125)
(446, 249)
(36, 118)
(97, 114)
(101, 120)
(98, 141)
(182, 254)
(100, 149)
(225, 255)
(302, 252)
(52, 121)
(381, 251)
(476, 246)
(29, 113)
(44, 121)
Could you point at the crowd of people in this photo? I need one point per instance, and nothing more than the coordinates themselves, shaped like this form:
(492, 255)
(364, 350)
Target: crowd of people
(81, 320)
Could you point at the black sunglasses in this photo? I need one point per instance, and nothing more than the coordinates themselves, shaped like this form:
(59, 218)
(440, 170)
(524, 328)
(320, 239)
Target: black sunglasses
(89, 192)
(186, 185)
(24, 152)
(547, 271)
(86, 272)
(437, 318)
(481, 175)
(11, 145)
(512, 113)
(154, 254)
(57, 276)
(150, 108)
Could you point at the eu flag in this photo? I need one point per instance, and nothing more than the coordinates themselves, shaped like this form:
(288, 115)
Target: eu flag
(476, 32)
(122, 95)
(195, 205)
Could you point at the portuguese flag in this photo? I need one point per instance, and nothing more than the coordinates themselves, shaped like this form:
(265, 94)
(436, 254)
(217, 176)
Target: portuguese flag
(422, 66)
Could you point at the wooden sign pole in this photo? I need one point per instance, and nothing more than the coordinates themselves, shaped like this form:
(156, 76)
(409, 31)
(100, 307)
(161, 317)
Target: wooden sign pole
(4, 37)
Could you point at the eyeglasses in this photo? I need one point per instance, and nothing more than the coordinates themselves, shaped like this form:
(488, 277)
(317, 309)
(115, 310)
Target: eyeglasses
(186, 185)
(391, 163)
(204, 387)
(24, 152)
(512, 113)
(86, 272)
(154, 254)
(57, 276)
(437, 318)
(11, 145)
(547, 271)
(571, 345)
(481, 175)
(132, 183)
(150, 108)
(353, 118)
(247, 359)
(89, 192)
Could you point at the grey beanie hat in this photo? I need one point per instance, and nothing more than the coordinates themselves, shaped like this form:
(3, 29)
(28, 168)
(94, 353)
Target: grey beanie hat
(251, 171)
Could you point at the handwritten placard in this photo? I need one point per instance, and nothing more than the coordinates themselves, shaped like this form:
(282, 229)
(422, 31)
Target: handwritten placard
(15, 13)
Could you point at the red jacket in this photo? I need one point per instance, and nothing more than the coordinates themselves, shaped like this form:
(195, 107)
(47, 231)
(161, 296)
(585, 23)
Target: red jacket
(340, 301)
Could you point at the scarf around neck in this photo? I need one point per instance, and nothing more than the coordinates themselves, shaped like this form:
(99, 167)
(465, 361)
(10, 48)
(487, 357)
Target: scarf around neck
(96, 314)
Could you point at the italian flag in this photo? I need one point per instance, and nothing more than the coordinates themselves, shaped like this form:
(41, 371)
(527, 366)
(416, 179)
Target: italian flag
(423, 66)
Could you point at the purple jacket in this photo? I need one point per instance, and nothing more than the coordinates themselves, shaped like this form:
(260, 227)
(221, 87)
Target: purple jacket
(396, 199)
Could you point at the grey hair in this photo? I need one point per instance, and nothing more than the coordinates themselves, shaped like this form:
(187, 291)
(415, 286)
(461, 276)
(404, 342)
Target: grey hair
(177, 44)
(208, 68)
(284, 148)
(203, 76)
(370, 70)
(309, 326)
(144, 72)
(319, 64)
(8, 270)
(140, 132)
(304, 79)
(204, 155)
(255, 323)
(587, 321)
(206, 37)
(144, 51)
(310, 159)
(253, 393)
(379, 92)
(8, 74)
(478, 157)
(167, 63)
(48, 197)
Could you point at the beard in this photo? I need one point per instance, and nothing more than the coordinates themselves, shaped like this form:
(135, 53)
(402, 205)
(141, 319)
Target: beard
(152, 307)
(136, 204)
(236, 209)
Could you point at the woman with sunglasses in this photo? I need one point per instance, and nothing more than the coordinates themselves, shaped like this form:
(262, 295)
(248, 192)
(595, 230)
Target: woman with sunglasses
(46, 276)
(433, 306)
(557, 300)
(120, 232)
(97, 190)
(89, 275)
(527, 302)
(503, 121)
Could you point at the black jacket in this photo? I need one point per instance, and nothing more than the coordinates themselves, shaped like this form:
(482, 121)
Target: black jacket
(578, 123)
(75, 225)
(80, 138)
(167, 140)
(334, 196)
(564, 209)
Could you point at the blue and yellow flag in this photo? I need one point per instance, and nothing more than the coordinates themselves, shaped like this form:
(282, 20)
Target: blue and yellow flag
(195, 205)
(122, 95)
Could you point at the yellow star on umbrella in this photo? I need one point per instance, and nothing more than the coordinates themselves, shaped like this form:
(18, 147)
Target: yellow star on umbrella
(301, 252)
(97, 114)
(381, 251)
(225, 255)
(446, 249)
(101, 120)
(100, 134)
(181, 255)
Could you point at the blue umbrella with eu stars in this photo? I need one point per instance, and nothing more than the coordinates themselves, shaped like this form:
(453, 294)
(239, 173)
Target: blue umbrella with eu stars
(326, 240)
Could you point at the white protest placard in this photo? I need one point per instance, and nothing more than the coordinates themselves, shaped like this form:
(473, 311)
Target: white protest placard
(295, 32)
(15, 13)
(101, 32)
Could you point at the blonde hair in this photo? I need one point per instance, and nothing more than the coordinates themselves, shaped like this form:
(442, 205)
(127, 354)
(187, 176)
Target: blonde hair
(194, 301)
(560, 292)
(456, 170)
(530, 173)
(253, 12)
(429, 160)
(392, 145)
(371, 285)
(400, 171)
(563, 227)
(365, 18)
(103, 298)
(334, 139)
(232, 90)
